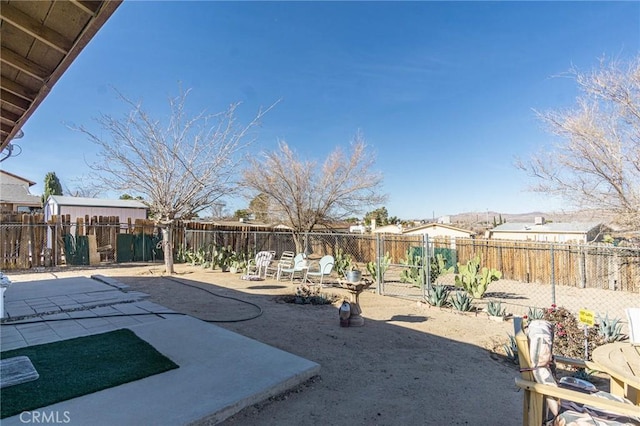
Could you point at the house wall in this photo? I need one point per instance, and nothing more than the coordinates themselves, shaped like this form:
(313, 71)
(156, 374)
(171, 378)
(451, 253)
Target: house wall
(559, 237)
(438, 231)
(387, 229)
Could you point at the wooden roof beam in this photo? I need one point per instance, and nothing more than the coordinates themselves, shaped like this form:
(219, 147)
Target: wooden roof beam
(17, 89)
(23, 64)
(16, 101)
(8, 116)
(88, 7)
(36, 30)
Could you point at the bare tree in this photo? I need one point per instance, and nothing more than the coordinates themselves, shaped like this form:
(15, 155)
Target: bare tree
(596, 164)
(181, 167)
(306, 194)
(83, 187)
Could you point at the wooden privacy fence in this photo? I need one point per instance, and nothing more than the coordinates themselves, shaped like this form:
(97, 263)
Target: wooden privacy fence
(26, 241)
(576, 265)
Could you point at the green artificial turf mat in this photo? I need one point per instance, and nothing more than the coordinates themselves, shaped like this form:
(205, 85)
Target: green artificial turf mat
(76, 367)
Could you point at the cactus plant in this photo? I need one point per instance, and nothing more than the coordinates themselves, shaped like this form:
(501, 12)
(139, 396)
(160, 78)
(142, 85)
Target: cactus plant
(438, 267)
(438, 295)
(413, 273)
(495, 309)
(342, 262)
(475, 280)
(461, 301)
(222, 257)
(372, 267)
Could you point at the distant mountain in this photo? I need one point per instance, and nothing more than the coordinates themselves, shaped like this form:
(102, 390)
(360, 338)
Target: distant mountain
(474, 218)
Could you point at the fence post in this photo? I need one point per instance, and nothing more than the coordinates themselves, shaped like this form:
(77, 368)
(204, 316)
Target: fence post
(255, 244)
(426, 265)
(553, 276)
(582, 266)
(377, 277)
(614, 268)
(379, 249)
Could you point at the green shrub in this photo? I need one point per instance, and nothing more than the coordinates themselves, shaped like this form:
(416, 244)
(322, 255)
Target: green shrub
(306, 295)
(568, 334)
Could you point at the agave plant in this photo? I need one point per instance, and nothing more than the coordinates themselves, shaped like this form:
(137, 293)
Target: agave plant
(511, 349)
(610, 329)
(535, 313)
(438, 295)
(495, 309)
(461, 301)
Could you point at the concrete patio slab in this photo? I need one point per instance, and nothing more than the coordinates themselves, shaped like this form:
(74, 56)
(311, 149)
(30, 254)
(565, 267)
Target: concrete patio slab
(220, 372)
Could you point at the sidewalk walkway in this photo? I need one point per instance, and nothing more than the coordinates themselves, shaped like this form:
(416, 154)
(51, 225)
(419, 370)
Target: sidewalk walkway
(220, 372)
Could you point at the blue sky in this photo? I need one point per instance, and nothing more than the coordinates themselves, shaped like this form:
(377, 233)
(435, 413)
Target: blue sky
(444, 92)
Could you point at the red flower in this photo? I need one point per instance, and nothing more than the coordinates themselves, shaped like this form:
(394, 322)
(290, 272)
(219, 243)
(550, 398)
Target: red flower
(524, 317)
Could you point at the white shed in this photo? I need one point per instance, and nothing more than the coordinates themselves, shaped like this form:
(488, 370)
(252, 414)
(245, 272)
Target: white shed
(77, 207)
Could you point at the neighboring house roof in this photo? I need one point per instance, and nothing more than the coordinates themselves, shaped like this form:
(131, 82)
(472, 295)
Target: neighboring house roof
(548, 228)
(434, 226)
(18, 194)
(96, 202)
(282, 226)
(27, 181)
(237, 223)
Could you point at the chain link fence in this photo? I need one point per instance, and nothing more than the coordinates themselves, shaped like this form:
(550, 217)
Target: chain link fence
(601, 278)
(535, 275)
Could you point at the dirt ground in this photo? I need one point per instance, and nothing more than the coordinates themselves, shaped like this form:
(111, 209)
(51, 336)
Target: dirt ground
(408, 365)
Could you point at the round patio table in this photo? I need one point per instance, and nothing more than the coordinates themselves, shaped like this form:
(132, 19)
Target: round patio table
(621, 361)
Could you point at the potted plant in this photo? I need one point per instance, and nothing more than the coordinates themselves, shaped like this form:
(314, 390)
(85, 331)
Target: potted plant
(353, 274)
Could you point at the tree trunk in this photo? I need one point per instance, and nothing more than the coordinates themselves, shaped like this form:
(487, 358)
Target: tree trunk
(298, 240)
(167, 245)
